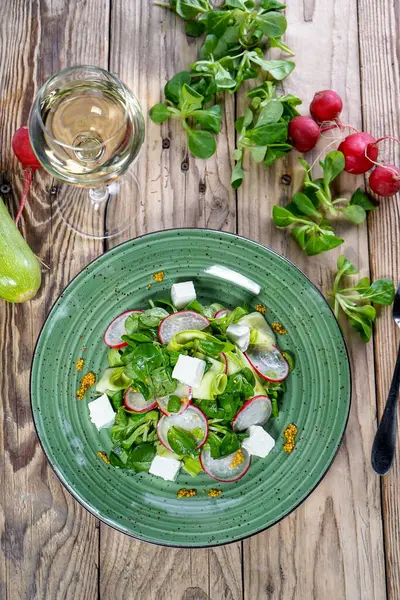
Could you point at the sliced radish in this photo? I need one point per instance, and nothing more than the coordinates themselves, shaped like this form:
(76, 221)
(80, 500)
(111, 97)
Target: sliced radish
(221, 313)
(185, 394)
(136, 402)
(185, 320)
(225, 360)
(192, 418)
(220, 468)
(269, 363)
(255, 411)
(116, 329)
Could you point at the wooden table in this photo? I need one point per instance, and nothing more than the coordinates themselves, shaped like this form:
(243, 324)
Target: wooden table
(343, 542)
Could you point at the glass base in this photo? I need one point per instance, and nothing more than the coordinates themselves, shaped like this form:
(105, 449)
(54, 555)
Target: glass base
(100, 213)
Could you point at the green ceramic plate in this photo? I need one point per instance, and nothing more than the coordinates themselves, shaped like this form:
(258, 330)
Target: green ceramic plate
(317, 397)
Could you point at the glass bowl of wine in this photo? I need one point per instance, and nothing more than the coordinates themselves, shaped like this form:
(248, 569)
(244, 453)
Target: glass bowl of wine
(86, 128)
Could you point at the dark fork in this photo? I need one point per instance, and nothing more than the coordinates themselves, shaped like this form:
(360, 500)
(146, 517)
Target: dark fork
(384, 446)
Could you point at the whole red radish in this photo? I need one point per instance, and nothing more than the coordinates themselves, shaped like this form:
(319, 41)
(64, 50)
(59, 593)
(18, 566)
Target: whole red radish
(385, 180)
(326, 106)
(22, 148)
(304, 133)
(355, 148)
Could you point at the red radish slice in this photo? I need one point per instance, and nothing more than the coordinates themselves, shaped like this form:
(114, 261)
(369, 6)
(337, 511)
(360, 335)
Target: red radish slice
(255, 411)
(221, 313)
(136, 402)
(113, 333)
(192, 418)
(225, 360)
(185, 320)
(184, 392)
(220, 468)
(269, 363)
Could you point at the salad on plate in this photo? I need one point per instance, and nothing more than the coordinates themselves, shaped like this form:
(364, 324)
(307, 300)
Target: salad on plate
(189, 387)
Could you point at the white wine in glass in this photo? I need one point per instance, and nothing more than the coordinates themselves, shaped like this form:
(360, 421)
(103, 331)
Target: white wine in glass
(86, 128)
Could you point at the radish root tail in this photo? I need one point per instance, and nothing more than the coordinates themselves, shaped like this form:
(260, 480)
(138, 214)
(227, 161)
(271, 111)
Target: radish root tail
(28, 173)
(379, 164)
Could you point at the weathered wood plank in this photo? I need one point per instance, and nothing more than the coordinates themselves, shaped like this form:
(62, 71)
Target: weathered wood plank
(332, 545)
(49, 544)
(379, 53)
(176, 191)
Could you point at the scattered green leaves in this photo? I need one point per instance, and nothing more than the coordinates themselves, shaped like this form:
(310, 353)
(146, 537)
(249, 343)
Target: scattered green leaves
(184, 102)
(355, 301)
(232, 52)
(263, 129)
(307, 213)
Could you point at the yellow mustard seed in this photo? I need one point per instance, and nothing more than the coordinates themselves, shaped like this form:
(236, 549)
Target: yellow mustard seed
(186, 493)
(148, 286)
(104, 457)
(159, 276)
(290, 436)
(79, 364)
(214, 493)
(87, 381)
(261, 308)
(237, 459)
(279, 328)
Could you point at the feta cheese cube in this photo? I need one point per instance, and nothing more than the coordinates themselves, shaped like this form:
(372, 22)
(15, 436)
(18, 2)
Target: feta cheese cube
(101, 412)
(260, 443)
(182, 293)
(189, 370)
(239, 335)
(167, 468)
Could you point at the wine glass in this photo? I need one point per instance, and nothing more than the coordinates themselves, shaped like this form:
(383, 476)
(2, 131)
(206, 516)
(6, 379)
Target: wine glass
(86, 128)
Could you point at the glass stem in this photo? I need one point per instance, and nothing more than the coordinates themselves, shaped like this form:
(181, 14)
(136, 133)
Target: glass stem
(98, 195)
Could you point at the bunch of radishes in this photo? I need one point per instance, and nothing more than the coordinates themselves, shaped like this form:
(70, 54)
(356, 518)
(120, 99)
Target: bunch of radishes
(360, 149)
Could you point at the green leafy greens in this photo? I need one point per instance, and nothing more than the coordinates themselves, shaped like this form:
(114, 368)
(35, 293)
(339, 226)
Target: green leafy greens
(306, 215)
(355, 301)
(232, 52)
(263, 129)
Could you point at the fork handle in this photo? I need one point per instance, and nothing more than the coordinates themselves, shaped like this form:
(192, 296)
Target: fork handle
(384, 446)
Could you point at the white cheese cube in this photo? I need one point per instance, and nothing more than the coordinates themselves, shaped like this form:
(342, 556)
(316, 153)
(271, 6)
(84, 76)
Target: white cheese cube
(260, 443)
(239, 335)
(189, 370)
(167, 468)
(182, 293)
(101, 412)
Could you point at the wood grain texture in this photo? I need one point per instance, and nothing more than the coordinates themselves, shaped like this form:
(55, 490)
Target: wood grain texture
(380, 64)
(332, 546)
(177, 190)
(49, 544)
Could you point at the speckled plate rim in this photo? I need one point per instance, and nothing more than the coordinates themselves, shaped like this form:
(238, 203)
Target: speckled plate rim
(110, 522)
